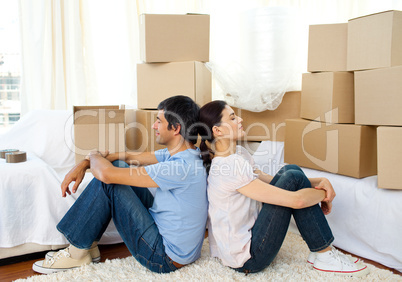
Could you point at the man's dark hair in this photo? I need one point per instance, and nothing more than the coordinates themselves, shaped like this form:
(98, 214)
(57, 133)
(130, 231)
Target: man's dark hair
(183, 111)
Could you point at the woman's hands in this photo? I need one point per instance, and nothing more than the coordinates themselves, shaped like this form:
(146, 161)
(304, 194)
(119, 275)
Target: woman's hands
(326, 203)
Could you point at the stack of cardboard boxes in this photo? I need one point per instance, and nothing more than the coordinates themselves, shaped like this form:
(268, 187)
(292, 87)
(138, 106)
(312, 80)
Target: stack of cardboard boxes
(375, 56)
(351, 100)
(326, 137)
(173, 49)
(270, 125)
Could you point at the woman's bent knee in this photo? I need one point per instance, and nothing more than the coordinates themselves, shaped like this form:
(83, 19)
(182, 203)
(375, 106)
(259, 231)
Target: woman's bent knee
(292, 167)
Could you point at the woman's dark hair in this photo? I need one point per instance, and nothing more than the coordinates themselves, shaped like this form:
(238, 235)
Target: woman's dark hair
(182, 110)
(210, 115)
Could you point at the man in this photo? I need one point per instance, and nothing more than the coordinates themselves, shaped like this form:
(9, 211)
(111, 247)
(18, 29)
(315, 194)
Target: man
(163, 232)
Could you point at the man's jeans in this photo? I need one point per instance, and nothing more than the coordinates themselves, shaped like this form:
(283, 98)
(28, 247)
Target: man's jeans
(87, 219)
(270, 228)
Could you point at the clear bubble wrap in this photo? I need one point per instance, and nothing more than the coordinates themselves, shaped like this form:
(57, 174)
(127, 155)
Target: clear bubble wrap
(268, 63)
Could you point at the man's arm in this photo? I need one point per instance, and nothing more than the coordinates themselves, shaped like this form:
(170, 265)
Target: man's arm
(76, 174)
(134, 158)
(103, 170)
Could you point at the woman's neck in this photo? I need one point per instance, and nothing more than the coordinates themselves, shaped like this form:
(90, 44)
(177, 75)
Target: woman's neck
(225, 147)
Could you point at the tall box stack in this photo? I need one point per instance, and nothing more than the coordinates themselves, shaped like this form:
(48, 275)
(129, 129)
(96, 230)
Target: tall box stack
(375, 56)
(173, 50)
(326, 138)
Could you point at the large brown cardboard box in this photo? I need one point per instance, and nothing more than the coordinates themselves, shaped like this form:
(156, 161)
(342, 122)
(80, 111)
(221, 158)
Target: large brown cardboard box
(328, 96)
(140, 137)
(99, 128)
(389, 142)
(270, 125)
(174, 38)
(156, 82)
(327, 47)
(378, 96)
(345, 149)
(375, 41)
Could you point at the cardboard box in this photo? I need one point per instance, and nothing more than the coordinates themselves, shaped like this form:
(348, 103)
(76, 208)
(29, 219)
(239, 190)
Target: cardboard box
(345, 149)
(327, 47)
(140, 137)
(378, 96)
(375, 41)
(328, 96)
(98, 128)
(389, 144)
(156, 82)
(270, 125)
(174, 38)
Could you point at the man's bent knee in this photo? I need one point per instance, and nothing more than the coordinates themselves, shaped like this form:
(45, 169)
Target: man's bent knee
(120, 163)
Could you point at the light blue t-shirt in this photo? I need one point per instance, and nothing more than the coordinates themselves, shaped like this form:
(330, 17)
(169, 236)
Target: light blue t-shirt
(180, 207)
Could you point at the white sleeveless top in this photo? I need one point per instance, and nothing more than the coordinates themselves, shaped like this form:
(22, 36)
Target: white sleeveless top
(231, 215)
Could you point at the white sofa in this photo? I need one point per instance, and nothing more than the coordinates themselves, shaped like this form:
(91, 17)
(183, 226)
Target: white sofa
(31, 204)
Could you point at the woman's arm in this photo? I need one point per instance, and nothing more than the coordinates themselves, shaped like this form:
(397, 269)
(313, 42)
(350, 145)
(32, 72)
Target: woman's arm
(324, 184)
(263, 192)
(263, 176)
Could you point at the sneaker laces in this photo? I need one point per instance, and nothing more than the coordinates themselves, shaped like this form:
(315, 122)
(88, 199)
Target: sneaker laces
(58, 255)
(341, 257)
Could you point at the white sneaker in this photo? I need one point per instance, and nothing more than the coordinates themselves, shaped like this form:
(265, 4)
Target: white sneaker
(60, 261)
(312, 256)
(335, 262)
(94, 252)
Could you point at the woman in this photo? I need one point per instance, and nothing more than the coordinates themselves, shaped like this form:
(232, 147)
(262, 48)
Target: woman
(249, 211)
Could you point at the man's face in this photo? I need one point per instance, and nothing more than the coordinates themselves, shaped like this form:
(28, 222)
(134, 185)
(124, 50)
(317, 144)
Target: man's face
(163, 134)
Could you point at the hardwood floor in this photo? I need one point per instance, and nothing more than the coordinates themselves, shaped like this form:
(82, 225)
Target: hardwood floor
(23, 269)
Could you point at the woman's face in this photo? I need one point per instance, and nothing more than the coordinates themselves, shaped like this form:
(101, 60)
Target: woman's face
(230, 126)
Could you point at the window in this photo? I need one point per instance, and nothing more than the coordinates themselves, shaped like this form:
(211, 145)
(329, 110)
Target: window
(13, 118)
(10, 64)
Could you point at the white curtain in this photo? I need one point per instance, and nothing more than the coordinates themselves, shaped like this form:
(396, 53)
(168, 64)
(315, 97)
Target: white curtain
(53, 73)
(78, 52)
(83, 52)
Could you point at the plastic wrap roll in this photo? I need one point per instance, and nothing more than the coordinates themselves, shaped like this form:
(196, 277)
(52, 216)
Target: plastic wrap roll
(267, 67)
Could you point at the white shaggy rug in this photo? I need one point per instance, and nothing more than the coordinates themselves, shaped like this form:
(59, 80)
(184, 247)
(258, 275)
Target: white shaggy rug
(289, 265)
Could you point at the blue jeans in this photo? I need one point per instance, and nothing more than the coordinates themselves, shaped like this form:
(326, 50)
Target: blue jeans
(270, 228)
(87, 219)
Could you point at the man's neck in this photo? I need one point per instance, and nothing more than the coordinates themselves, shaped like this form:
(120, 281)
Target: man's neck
(179, 146)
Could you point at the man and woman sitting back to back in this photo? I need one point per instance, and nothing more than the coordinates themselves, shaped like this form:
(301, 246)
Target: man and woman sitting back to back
(248, 211)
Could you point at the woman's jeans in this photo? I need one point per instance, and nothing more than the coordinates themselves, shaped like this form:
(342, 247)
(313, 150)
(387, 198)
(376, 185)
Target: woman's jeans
(270, 228)
(87, 219)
